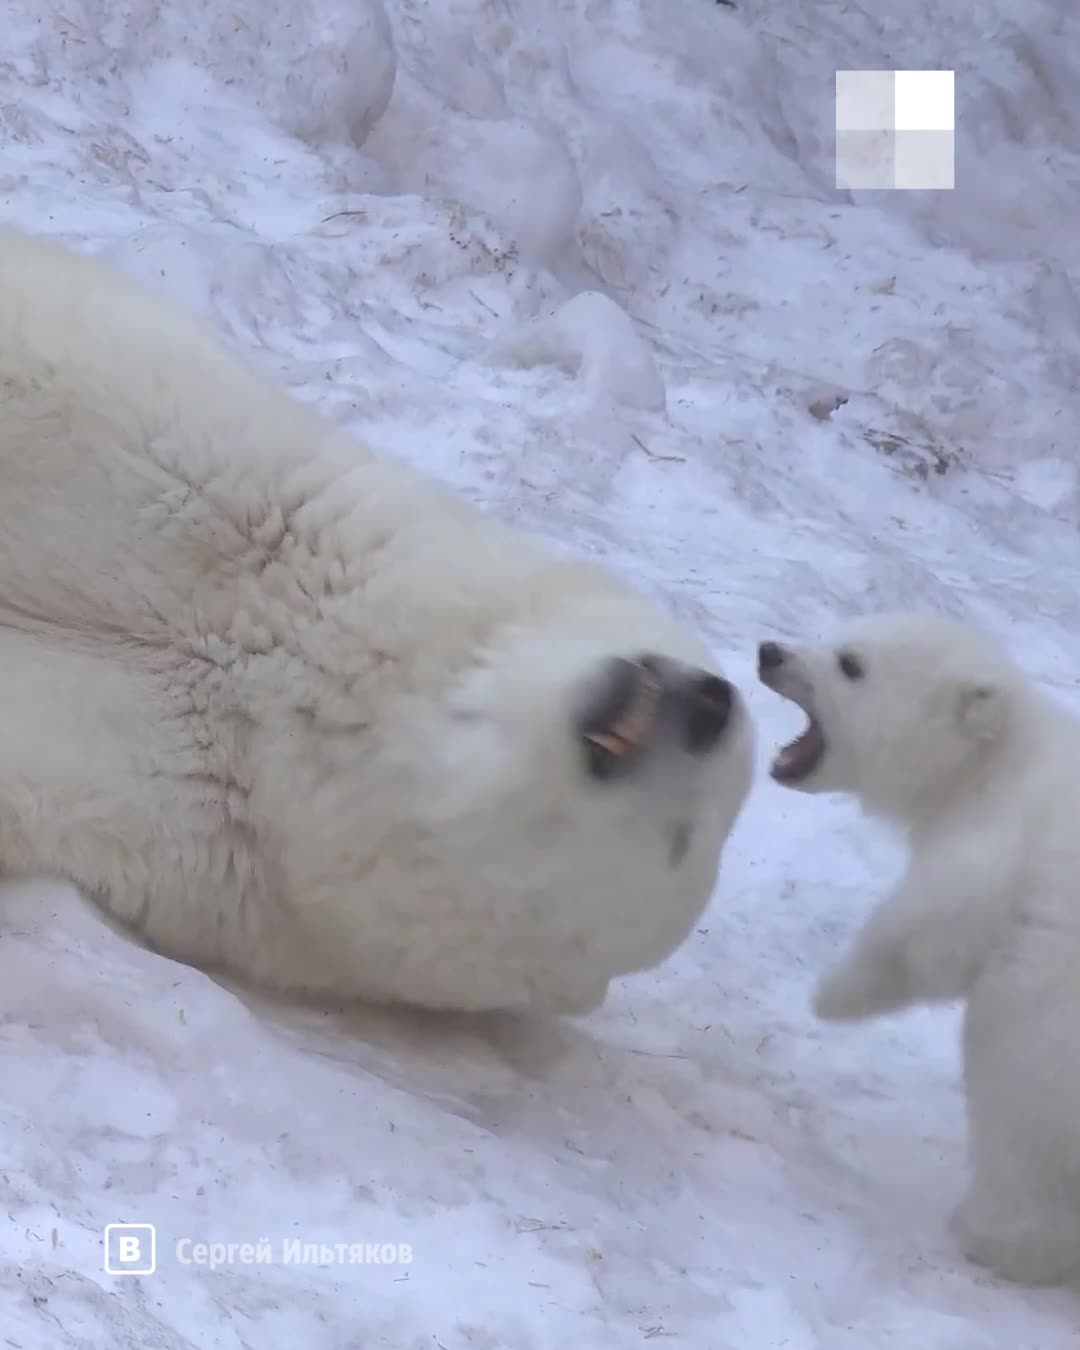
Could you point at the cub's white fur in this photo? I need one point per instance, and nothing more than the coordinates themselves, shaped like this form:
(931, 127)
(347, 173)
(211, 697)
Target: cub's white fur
(934, 728)
(294, 712)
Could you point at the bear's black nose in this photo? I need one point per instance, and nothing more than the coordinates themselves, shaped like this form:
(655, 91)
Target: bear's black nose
(635, 706)
(707, 701)
(770, 655)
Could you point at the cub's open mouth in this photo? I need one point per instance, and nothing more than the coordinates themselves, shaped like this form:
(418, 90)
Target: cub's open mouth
(799, 758)
(779, 670)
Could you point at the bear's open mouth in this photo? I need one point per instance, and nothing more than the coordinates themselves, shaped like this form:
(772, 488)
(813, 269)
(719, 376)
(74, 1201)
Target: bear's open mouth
(799, 758)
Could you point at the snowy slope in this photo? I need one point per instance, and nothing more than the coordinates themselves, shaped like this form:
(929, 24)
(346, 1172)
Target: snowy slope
(389, 202)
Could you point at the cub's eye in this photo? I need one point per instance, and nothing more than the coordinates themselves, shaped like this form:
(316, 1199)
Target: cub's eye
(850, 666)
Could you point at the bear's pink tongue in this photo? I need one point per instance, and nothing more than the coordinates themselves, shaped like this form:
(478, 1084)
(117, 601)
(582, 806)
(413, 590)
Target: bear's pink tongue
(801, 757)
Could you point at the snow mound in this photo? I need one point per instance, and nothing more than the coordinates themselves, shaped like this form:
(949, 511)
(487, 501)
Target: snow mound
(321, 70)
(517, 172)
(591, 338)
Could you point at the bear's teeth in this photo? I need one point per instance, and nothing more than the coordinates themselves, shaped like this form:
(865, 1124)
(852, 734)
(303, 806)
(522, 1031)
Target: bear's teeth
(801, 757)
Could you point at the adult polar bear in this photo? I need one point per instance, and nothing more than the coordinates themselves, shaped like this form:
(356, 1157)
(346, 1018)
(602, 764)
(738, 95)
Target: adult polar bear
(934, 728)
(296, 713)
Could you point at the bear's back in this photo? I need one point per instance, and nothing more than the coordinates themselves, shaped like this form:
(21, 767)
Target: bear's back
(122, 417)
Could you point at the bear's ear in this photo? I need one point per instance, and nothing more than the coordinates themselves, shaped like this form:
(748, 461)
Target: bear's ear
(981, 706)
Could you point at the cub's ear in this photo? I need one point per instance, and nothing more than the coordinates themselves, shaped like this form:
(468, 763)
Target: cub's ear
(981, 707)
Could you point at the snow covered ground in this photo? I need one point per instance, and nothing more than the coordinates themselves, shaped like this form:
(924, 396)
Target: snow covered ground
(583, 259)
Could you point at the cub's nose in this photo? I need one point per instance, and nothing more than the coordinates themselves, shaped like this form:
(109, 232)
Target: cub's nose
(637, 707)
(770, 655)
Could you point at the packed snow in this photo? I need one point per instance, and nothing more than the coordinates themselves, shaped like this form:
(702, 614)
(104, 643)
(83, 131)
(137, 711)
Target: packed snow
(584, 260)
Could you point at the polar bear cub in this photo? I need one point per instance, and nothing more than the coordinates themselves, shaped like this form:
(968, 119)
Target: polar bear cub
(292, 711)
(932, 727)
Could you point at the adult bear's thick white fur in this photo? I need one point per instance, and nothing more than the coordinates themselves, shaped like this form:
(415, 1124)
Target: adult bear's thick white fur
(933, 727)
(297, 713)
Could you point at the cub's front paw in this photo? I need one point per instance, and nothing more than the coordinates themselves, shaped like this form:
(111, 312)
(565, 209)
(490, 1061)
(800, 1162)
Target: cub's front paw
(1027, 1258)
(571, 998)
(855, 990)
(1015, 1243)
